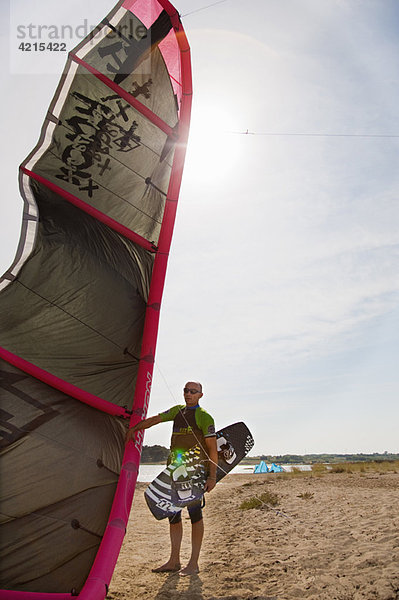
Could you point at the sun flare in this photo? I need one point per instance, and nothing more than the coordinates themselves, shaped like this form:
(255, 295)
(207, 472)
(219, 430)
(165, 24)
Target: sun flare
(213, 149)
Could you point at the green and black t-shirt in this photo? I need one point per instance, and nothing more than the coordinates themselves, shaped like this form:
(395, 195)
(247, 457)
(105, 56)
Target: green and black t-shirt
(191, 425)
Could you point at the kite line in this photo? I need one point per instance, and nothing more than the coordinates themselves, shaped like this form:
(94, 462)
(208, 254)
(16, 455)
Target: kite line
(203, 8)
(270, 133)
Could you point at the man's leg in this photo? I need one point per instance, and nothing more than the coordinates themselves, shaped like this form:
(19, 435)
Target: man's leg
(197, 534)
(176, 534)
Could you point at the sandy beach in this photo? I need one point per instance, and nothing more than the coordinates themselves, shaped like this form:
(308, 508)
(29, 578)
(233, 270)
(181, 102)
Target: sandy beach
(334, 537)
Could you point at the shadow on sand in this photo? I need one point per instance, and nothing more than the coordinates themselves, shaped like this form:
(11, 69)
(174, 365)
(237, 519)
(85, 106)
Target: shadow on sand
(180, 588)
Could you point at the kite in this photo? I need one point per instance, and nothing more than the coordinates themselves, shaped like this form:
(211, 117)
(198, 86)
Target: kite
(80, 304)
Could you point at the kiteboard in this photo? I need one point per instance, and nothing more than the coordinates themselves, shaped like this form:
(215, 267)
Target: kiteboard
(183, 480)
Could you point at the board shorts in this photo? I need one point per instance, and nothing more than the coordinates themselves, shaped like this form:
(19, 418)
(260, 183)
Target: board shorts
(194, 511)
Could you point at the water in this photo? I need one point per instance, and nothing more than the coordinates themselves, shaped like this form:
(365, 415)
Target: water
(148, 472)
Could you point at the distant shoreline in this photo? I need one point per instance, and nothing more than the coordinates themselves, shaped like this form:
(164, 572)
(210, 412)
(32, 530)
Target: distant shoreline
(307, 459)
(322, 458)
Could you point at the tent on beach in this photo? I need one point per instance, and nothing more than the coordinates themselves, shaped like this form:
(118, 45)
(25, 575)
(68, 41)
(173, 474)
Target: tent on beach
(261, 467)
(276, 468)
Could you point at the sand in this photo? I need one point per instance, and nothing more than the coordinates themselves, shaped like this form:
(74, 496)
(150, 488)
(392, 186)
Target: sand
(337, 539)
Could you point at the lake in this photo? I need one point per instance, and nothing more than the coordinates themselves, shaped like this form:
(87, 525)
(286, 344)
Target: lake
(148, 472)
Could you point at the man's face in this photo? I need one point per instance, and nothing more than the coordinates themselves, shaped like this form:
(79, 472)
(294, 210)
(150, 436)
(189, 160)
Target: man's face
(192, 393)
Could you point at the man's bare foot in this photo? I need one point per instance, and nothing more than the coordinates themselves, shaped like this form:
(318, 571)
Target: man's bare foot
(168, 567)
(189, 570)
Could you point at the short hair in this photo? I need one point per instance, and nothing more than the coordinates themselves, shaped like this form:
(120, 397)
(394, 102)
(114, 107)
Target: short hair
(196, 383)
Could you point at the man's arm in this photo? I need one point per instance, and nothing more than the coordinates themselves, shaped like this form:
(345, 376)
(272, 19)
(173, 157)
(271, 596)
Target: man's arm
(212, 449)
(145, 424)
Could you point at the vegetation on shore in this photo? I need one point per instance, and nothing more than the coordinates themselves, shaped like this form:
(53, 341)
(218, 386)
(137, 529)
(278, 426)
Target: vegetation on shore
(154, 454)
(380, 467)
(310, 459)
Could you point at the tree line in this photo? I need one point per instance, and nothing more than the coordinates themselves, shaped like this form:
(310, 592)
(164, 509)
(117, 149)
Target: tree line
(321, 458)
(154, 454)
(159, 454)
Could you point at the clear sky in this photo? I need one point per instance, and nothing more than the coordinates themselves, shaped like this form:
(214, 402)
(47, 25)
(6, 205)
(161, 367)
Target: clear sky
(283, 282)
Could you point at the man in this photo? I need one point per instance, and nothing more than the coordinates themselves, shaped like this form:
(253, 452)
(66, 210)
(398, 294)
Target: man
(191, 426)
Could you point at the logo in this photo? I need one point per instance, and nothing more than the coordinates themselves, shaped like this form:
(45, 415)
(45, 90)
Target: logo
(164, 504)
(98, 129)
(226, 450)
(21, 411)
(140, 434)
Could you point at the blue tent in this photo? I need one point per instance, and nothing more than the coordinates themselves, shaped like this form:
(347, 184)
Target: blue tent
(261, 467)
(276, 468)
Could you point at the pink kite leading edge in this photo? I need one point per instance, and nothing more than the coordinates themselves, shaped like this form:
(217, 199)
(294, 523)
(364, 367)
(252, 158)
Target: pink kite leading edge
(80, 304)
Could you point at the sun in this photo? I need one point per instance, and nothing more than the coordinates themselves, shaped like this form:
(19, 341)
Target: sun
(213, 149)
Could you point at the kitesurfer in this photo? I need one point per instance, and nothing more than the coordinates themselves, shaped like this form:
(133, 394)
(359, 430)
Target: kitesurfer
(192, 426)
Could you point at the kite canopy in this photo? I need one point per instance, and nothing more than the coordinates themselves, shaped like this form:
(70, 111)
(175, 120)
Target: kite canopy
(80, 304)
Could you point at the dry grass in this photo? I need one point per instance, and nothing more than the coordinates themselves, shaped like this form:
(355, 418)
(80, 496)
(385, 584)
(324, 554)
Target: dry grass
(319, 469)
(264, 500)
(376, 466)
(380, 467)
(294, 473)
(306, 496)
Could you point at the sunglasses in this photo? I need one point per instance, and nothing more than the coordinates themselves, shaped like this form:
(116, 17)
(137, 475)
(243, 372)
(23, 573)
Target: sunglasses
(187, 390)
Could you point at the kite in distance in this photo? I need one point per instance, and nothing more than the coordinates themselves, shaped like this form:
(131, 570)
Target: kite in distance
(80, 304)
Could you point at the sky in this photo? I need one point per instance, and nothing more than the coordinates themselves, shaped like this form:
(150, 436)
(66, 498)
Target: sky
(282, 288)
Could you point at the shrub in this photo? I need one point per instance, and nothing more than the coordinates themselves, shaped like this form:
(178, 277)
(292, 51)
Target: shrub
(306, 496)
(265, 500)
(341, 468)
(318, 468)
